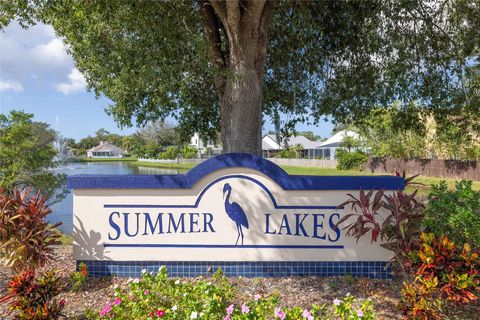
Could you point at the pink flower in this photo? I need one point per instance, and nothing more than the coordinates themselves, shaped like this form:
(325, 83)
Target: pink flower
(359, 313)
(306, 314)
(279, 313)
(257, 297)
(245, 308)
(159, 313)
(227, 317)
(117, 301)
(146, 292)
(336, 302)
(106, 309)
(230, 309)
(131, 297)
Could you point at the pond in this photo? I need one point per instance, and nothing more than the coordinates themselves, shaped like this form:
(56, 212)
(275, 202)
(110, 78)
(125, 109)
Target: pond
(62, 211)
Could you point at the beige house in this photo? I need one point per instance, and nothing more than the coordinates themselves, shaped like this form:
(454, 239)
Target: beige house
(106, 150)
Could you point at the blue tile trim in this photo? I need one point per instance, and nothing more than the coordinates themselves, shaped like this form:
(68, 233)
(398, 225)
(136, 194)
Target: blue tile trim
(369, 269)
(231, 160)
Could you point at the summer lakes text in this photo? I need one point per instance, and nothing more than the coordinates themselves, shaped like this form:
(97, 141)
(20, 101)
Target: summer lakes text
(132, 224)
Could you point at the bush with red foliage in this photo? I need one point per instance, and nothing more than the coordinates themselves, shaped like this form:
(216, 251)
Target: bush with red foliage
(394, 218)
(445, 276)
(33, 298)
(26, 238)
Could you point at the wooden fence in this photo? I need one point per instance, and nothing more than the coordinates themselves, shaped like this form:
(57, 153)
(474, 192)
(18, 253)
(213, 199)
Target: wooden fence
(456, 169)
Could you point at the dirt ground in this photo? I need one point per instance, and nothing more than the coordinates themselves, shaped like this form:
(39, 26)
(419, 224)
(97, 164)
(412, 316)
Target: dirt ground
(300, 291)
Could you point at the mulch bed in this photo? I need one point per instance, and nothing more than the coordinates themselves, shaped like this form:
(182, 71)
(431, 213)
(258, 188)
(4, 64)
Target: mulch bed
(299, 291)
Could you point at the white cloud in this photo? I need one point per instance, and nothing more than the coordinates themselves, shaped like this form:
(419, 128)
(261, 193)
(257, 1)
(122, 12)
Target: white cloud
(34, 57)
(76, 83)
(10, 85)
(52, 52)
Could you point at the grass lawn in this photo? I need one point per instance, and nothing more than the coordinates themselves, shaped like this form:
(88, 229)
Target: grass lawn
(179, 166)
(104, 159)
(427, 181)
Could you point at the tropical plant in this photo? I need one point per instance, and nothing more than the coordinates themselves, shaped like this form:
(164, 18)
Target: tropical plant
(27, 239)
(395, 218)
(444, 277)
(33, 298)
(454, 213)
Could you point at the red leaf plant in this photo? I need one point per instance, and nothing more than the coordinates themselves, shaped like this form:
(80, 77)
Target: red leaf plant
(444, 277)
(26, 238)
(394, 218)
(32, 297)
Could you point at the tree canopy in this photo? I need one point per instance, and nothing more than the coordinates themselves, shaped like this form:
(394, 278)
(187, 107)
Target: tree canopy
(27, 153)
(225, 64)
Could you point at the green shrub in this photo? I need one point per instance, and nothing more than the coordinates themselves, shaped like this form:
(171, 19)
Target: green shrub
(189, 152)
(350, 160)
(170, 154)
(290, 152)
(157, 296)
(454, 213)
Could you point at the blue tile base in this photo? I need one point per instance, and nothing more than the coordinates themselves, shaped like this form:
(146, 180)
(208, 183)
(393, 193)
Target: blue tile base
(369, 269)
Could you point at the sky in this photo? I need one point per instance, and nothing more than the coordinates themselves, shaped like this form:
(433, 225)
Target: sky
(37, 75)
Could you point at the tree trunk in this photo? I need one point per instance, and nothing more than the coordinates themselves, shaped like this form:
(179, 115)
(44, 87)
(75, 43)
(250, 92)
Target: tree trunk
(241, 113)
(239, 85)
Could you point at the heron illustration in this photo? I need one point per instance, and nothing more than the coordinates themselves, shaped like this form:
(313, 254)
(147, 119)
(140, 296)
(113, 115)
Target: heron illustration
(235, 212)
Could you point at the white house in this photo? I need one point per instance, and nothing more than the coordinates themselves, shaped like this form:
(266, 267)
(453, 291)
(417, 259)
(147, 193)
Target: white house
(212, 148)
(106, 150)
(330, 146)
(311, 149)
(270, 145)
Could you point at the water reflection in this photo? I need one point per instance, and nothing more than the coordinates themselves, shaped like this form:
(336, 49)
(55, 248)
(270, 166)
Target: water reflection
(62, 211)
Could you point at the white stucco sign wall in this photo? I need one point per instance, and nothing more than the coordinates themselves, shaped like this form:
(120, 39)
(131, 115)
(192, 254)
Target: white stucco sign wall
(234, 210)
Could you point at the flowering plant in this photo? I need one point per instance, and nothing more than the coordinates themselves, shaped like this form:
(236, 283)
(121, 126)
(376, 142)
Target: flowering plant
(159, 297)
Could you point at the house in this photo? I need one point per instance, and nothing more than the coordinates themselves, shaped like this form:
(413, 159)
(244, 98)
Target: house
(210, 148)
(270, 146)
(106, 150)
(311, 149)
(328, 148)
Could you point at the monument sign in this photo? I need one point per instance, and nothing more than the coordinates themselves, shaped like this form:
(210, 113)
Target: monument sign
(237, 212)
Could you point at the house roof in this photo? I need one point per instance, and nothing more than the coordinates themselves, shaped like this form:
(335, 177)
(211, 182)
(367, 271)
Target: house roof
(337, 139)
(269, 142)
(106, 147)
